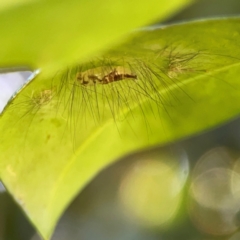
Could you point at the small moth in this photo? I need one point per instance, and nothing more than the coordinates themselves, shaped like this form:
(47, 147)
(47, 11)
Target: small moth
(89, 77)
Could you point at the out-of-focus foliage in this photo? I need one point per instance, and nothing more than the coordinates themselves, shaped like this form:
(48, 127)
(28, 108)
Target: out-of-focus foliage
(50, 35)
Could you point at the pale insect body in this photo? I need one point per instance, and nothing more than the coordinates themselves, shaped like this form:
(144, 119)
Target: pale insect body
(179, 64)
(42, 98)
(104, 76)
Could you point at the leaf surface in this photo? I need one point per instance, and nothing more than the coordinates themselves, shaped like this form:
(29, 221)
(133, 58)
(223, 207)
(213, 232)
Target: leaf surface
(58, 134)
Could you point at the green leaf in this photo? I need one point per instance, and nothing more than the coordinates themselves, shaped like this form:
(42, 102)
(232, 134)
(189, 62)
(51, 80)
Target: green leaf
(57, 135)
(51, 34)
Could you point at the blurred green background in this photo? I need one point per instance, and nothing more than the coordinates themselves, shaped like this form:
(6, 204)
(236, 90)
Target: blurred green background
(186, 190)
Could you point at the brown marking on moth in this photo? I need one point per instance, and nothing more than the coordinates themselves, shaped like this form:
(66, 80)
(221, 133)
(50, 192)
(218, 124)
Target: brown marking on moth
(117, 74)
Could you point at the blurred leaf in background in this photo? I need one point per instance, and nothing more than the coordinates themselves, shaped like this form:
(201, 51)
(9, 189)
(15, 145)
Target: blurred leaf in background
(51, 34)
